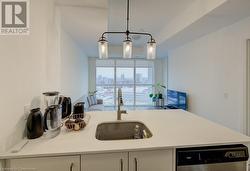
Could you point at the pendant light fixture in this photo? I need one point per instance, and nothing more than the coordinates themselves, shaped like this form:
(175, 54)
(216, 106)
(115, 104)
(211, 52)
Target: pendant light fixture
(127, 43)
(151, 49)
(103, 48)
(127, 48)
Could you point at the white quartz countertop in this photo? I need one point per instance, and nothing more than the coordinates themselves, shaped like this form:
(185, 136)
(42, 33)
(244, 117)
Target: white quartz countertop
(170, 129)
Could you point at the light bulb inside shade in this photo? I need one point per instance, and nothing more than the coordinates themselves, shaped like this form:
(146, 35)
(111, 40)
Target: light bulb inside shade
(151, 50)
(127, 49)
(103, 49)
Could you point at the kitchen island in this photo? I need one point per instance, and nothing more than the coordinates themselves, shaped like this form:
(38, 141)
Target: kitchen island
(171, 129)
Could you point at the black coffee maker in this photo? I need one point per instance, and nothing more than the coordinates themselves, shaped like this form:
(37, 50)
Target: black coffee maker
(53, 114)
(34, 124)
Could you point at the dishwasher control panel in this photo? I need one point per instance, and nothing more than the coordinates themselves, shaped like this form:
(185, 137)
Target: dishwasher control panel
(235, 154)
(211, 154)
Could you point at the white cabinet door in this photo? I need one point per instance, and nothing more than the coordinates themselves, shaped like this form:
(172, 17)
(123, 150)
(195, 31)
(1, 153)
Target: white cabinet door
(159, 160)
(105, 162)
(67, 163)
(2, 164)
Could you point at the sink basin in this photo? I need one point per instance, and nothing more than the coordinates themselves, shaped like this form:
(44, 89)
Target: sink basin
(121, 130)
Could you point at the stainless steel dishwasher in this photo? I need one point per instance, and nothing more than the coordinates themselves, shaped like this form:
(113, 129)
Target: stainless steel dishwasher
(214, 158)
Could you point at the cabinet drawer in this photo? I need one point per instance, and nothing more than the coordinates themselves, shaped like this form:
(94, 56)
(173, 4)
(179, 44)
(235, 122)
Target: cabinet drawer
(67, 163)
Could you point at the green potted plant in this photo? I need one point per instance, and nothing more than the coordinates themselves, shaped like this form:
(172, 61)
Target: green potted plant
(159, 89)
(92, 93)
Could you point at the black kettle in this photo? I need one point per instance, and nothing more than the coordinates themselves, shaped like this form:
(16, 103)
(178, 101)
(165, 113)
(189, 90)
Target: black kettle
(66, 104)
(34, 124)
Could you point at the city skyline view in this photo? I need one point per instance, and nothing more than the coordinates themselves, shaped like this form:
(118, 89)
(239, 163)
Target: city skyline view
(135, 90)
(106, 75)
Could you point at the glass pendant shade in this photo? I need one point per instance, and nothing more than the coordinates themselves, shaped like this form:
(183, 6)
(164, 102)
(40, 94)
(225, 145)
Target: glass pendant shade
(127, 49)
(151, 50)
(103, 48)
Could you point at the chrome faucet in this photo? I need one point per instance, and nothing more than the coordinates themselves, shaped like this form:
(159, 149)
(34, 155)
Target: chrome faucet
(120, 103)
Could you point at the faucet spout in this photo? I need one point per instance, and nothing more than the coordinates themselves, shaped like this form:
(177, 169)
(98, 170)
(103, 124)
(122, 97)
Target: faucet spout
(120, 103)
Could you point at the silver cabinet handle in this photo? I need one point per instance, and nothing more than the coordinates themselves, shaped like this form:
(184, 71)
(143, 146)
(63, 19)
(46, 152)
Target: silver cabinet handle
(121, 162)
(136, 164)
(71, 166)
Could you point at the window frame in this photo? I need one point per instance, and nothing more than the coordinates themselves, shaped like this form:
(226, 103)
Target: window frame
(134, 84)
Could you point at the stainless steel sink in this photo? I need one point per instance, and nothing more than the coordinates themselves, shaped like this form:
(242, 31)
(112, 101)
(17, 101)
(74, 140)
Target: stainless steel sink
(121, 130)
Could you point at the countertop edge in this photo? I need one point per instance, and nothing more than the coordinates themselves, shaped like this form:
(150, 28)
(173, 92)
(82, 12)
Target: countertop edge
(61, 154)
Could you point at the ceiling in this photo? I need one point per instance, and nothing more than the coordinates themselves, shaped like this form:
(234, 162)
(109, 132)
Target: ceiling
(85, 20)
(145, 16)
(83, 3)
(171, 22)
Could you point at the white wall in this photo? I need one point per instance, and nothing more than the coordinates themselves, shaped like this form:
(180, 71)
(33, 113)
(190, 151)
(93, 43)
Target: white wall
(33, 64)
(74, 68)
(212, 71)
(158, 71)
(165, 71)
(23, 71)
(92, 74)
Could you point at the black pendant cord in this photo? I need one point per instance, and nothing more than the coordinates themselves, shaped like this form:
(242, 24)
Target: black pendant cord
(127, 32)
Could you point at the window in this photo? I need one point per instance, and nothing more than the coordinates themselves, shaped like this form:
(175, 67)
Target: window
(135, 77)
(107, 94)
(105, 81)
